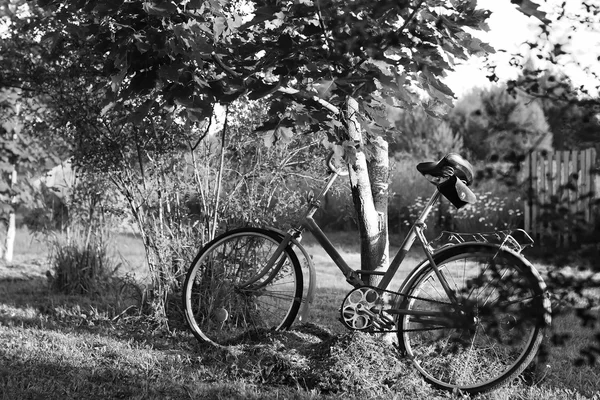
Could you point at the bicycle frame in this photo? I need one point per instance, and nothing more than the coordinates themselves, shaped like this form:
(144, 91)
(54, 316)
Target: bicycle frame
(351, 275)
(307, 222)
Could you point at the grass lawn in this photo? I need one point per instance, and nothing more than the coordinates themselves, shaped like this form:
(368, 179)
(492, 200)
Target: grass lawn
(61, 347)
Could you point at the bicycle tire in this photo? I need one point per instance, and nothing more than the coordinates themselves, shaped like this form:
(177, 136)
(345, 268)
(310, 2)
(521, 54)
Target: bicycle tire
(505, 311)
(219, 309)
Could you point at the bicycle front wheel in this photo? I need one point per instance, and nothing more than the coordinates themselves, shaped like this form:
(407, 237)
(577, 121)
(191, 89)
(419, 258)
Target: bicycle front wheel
(227, 290)
(489, 332)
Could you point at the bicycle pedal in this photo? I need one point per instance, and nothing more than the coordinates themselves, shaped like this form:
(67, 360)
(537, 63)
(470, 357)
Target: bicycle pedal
(384, 316)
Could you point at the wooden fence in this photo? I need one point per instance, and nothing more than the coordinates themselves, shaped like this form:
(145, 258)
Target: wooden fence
(561, 192)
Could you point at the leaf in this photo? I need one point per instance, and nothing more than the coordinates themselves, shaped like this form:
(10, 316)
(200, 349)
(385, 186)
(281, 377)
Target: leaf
(269, 137)
(117, 79)
(478, 46)
(285, 134)
(436, 83)
(197, 114)
(262, 14)
(143, 82)
(195, 4)
(530, 9)
(107, 108)
(138, 116)
(219, 27)
(160, 8)
(6, 166)
(6, 208)
(4, 187)
(170, 72)
(448, 99)
(53, 39)
(324, 87)
(141, 42)
(277, 107)
(377, 115)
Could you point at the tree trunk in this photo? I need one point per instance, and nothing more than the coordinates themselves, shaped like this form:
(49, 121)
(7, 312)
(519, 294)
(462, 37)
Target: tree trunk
(11, 232)
(369, 186)
(11, 235)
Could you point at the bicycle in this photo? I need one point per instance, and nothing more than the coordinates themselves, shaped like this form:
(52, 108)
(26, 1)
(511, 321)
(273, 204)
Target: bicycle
(470, 317)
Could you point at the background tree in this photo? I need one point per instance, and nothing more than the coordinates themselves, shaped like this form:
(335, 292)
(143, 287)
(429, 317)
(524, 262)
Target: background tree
(497, 125)
(571, 115)
(424, 137)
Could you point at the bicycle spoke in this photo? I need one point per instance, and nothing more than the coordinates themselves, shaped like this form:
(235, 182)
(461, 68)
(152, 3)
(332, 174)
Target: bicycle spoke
(220, 305)
(490, 337)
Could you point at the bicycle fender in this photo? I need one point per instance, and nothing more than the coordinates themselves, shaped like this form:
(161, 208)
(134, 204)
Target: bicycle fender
(312, 276)
(441, 253)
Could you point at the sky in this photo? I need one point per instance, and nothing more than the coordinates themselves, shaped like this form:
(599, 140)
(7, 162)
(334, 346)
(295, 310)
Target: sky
(509, 29)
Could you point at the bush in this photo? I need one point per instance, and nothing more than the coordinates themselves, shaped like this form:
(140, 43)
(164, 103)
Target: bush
(81, 265)
(79, 268)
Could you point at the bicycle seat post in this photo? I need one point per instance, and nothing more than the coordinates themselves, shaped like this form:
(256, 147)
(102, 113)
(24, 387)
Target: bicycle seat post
(315, 202)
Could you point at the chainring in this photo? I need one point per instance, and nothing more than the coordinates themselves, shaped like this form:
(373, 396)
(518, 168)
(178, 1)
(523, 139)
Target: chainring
(370, 309)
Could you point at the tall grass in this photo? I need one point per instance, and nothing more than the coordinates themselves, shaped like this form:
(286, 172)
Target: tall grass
(80, 262)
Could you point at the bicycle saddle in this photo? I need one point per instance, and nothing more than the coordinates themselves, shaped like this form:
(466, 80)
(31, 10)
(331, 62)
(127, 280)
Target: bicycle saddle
(460, 167)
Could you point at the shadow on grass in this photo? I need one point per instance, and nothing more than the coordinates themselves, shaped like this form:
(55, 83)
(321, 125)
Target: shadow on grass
(68, 347)
(101, 374)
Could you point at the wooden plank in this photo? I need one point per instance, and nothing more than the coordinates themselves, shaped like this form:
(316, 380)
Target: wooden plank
(564, 172)
(545, 190)
(574, 166)
(566, 167)
(543, 180)
(592, 179)
(582, 193)
(534, 193)
(527, 197)
(586, 179)
(551, 176)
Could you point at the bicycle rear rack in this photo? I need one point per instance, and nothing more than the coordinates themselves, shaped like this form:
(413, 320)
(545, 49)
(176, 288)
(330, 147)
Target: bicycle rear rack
(513, 239)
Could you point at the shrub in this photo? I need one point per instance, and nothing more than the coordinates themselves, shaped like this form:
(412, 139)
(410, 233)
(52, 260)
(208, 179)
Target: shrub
(80, 268)
(83, 266)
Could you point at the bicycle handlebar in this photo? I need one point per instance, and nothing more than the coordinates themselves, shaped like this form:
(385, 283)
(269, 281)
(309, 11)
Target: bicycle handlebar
(333, 168)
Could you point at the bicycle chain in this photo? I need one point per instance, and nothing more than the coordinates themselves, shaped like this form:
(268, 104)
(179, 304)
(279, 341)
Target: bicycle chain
(405, 295)
(381, 291)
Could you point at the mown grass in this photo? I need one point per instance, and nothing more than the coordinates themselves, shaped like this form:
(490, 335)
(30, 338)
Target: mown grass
(65, 347)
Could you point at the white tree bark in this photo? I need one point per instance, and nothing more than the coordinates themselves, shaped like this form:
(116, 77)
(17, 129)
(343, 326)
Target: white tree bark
(11, 232)
(369, 183)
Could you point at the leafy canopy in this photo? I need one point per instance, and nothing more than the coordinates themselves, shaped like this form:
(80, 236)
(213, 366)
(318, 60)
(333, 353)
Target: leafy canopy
(192, 54)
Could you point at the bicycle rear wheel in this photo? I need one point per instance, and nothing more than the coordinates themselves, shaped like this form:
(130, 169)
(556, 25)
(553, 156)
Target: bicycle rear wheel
(492, 335)
(227, 292)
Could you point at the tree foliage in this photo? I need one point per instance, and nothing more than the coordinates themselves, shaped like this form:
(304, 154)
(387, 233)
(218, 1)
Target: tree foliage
(162, 54)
